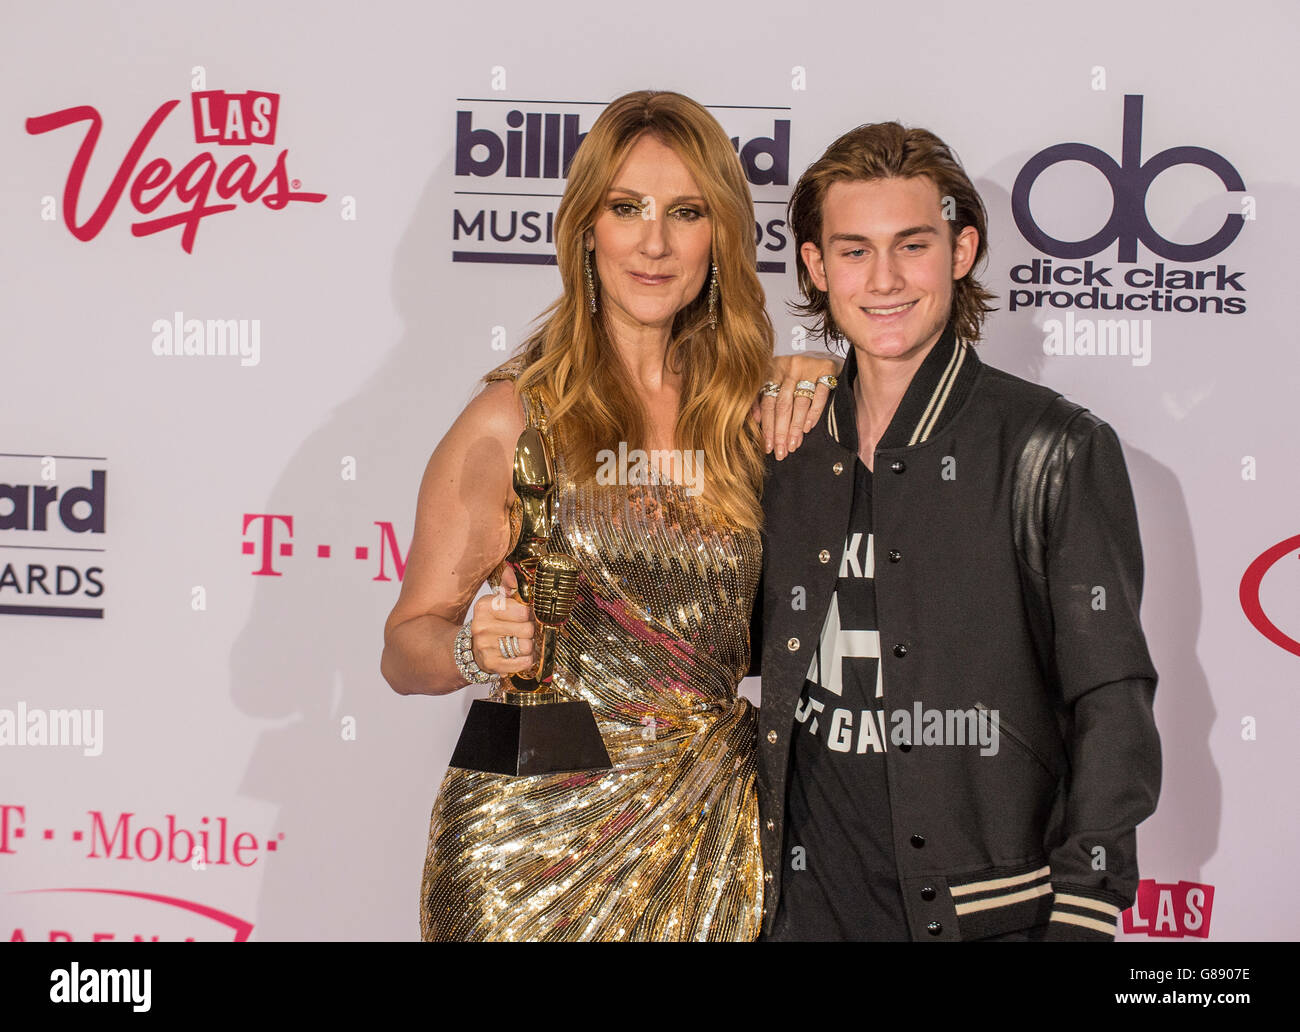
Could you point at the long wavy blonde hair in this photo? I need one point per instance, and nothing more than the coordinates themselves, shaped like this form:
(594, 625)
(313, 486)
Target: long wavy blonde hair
(571, 358)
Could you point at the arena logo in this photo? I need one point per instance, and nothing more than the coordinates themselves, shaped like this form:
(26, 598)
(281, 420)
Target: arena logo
(133, 916)
(1155, 288)
(220, 118)
(518, 148)
(273, 539)
(53, 525)
(1170, 911)
(1249, 594)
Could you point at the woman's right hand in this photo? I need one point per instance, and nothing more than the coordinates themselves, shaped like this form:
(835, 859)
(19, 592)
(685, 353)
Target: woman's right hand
(498, 617)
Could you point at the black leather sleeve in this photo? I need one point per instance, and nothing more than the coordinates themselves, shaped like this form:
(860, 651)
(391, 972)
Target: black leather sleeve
(1105, 675)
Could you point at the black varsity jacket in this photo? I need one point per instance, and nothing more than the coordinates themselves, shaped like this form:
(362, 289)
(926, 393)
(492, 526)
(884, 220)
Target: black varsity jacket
(1044, 828)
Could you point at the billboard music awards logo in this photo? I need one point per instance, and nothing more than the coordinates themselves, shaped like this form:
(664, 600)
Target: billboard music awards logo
(53, 528)
(1122, 291)
(201, 187)
(512, 156)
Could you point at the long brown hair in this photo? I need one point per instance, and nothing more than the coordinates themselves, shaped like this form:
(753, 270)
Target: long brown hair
(571, 357)
(888, 150)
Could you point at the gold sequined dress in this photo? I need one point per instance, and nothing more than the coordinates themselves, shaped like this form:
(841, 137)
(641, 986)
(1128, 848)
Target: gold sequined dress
(665, 846)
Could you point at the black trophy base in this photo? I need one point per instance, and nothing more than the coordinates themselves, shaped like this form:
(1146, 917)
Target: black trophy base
(552, 738)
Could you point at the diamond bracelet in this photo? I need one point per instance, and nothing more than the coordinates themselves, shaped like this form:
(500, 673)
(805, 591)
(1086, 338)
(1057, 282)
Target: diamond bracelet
(464, 653)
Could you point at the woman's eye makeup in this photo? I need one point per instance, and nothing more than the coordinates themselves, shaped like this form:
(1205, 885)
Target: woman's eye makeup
(627, 207)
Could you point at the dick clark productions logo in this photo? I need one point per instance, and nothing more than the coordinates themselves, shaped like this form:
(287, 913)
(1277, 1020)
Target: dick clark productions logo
(220, 118)
(1130, 178)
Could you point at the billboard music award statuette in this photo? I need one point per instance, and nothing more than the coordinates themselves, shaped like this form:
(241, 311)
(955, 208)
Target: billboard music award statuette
(535, 729)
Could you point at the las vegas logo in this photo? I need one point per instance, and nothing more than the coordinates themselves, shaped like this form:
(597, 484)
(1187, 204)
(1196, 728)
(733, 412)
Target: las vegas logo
(201, 187)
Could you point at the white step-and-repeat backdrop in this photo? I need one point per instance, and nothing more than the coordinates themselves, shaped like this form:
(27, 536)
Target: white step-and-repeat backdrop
(351, 204)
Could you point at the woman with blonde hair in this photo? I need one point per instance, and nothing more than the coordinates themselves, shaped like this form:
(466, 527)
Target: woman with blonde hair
(657, 347)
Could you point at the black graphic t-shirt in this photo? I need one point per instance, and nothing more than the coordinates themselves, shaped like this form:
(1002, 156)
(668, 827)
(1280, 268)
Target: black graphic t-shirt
(840, 881)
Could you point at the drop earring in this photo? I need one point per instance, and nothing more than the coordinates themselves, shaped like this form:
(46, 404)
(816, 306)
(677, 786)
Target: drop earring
(591, 280)
(713, 298)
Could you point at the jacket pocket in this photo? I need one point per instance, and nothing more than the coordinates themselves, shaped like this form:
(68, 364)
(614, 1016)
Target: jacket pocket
(1020, 739)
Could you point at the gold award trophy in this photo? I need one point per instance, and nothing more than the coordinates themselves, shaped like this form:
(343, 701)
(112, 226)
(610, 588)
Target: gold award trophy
(535, 729)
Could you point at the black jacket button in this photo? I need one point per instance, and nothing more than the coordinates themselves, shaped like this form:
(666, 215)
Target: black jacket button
(895, 555)
(918, 841)
(928, 893)
(900, 650)
(934, 928)
(898, 465)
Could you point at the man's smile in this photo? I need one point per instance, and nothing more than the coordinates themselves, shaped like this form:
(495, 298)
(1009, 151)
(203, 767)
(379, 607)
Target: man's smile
(889, 311)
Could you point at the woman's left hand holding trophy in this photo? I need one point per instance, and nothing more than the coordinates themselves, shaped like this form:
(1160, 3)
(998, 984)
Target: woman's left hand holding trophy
(502, 629)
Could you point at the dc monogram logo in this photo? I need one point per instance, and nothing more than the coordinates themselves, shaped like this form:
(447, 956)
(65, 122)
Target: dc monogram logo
(1129, 182)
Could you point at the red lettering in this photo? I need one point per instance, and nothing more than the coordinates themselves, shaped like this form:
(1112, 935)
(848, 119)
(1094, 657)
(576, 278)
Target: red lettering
(240, 846)
(1143, 902)
(1170, 911)
(221, 849)
(235, 119)
(5, 829)
(172, 832)
(142, 850)
(235, 122)
(152, 175)
(1197, 905)
(225, 119)
(268, 539)
(282, 195)
(263, 113)
(237, 177)
(77, 174)
(192, 184)
(205, 131)
(1249, 595)
(388, 540)
(98, 833)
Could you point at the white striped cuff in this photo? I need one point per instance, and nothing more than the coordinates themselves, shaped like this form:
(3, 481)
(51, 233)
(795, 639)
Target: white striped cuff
(1094, 914)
